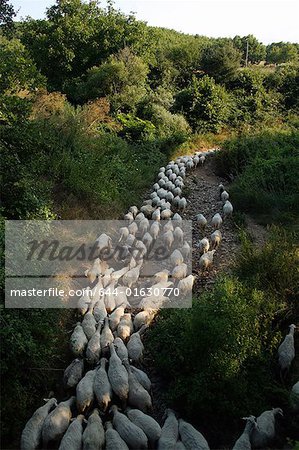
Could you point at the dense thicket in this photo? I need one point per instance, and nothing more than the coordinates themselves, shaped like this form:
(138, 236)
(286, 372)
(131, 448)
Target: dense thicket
(92, 102)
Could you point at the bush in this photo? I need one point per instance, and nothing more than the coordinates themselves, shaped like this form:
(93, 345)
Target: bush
(265, 166)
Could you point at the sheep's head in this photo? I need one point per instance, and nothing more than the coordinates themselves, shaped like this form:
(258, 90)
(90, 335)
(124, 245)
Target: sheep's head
(293, 327)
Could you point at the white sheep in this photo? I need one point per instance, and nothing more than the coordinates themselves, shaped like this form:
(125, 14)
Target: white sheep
(139, 217)
(89, 323)
(156, 214)
(227, 209)
(84, 391)
(57, 422)
(32, 433)
(133, 228)
(73, 436)
(286, 350)
(179, 272)
(182, 204)
(156, 187)
(104, 242)
(155, 230)
(169, 432)
(176, 201)
(147, 210)
(131, 277)
(191, 438)
(93, 349)
(202, 159)
(216, 238)
(185, 285)
(133, 210)
(113, 439)
(178, 235)
(202, 221)
(185, 251)
(134, 437)
(94, 434)
(125, 327)
(78, 340)
(118, 376)
(264, 432)
(135, 347)
(203, 245)
(99, 310)
(107, 277)
(177, 219)
(73, 373)
(168, 239)
(206, 260)
(143, 318)
(142, 378)
(129, 217)
(106, 336)
(216, 221)
(224, 196)
(147, 424)
(166, 214)
(120, 348)
(161, 276)
(115, 316)
(176, 258)
(94, 271)
(143, 226)
(138, 396)
(101, 386)
(243, 443)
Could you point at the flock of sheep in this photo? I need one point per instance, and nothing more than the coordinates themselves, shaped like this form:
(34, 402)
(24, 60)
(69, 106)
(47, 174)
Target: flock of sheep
(112, 405)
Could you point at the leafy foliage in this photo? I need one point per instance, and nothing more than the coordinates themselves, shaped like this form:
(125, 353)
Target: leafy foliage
(221, 60)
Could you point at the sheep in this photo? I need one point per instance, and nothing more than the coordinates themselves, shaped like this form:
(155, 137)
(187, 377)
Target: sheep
(118, 376)
(168, 226)
(147, 424)
(156, 187)
(169, 432)
(216, 238)
(185, 251)
(120, 348)
(116, 275)
(147, 240)
(113, 439)
(161, 277)
(177, 191)
(162, 169)
(192, 438)
(169, 196)
(243, 443)
(176, 201)
(168, 239)
(224, 196)
(177, 219)
(131, 277)
(264, 432)
(161, 193)
(185, 285)
(202, 159)
(84, 301)
(178, 235)
(123, 234)
(138, 396)
(221, 189)
(295, 397)
(179, 272)
(172, 177)
(182, 204)
(84, 391)
(99, 310)
(176, 258)
(156, 214)
(203, 245)
(202, 221)
(109, 298)
(115, 316)
(125, 327)
(162, 183)
(133, 210)
(106, 336)
(143, 226)
(286, 350)
(134, 437)
(103, 242)
(130, 240)
(141, 246)
(78, 340)
(89, 323)
(101, 386)
(106, 278)
(160, 175)
(139, 217)
(135, 347)
(166, 214)
(93, 349)
(32, 433)
(196, 160)
(147, 210)
(216, 221)
(154, 230)
(206, 260)
(94, 434)
(73, 373)
(57, 422)
(142, 378)
(179, 446)
(73, 436)
(143, 318)
(133, 228)
(227, 209)
(129, 217)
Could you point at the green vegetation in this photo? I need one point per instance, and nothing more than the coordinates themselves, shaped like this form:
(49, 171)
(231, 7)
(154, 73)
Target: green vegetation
(92, 103)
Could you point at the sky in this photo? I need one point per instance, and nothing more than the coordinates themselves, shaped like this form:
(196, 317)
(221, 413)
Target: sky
(268, 20)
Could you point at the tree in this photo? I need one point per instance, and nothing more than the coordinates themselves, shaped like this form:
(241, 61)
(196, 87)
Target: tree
(256, 50)
(205, 104)
(282, 52)
(7, 13)
(221, 60)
